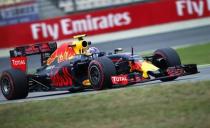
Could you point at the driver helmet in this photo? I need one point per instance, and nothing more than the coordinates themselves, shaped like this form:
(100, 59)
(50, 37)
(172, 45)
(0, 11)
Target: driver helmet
(93, 50)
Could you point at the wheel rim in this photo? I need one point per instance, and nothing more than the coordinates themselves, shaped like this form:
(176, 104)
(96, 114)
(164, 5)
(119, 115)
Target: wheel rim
(95, 75)
(6, 86)
(165, 65)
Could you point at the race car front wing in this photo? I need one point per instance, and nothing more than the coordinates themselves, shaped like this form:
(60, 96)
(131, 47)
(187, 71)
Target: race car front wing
(171, 72)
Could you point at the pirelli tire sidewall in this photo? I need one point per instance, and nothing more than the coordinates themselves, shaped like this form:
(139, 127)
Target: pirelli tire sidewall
(171, 58)
(102, 68)
(14, 84)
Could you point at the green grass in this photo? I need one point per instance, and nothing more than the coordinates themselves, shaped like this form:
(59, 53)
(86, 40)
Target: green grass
(198, 54)
(162, 106)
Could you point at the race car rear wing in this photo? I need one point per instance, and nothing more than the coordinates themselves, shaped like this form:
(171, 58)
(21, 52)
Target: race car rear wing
(33, 49)
(18, 56)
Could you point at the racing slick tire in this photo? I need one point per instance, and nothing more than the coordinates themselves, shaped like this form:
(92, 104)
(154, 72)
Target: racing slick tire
(170, 57)
(14, 84)
(100, 71)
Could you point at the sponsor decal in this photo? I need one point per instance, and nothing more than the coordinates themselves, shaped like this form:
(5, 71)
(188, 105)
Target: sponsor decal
(63, 53)
(104, 21)
(60, 78)
(121, 79)
(69, 26)
(192, 7)
(37, 48)
(31, 49)
(18, 12)
(19, 63)
(175, 71)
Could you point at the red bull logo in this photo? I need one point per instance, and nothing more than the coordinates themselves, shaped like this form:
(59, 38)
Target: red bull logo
(61, 78)
(63, 53)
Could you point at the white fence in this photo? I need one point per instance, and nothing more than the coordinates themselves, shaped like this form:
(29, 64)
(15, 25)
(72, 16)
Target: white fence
(78, 5)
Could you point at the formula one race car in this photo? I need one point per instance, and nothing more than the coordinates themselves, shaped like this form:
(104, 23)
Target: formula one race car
(76, 66)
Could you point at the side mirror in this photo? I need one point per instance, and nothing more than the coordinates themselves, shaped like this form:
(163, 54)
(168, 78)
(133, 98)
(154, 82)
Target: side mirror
(117, 50)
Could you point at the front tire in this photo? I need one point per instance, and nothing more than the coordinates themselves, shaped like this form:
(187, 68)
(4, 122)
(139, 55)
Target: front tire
(100, 71)
(169, 57)
(14, 84)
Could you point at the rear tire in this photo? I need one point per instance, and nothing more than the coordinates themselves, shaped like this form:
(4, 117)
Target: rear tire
(171, 59)
(14, 84)
(100, 71)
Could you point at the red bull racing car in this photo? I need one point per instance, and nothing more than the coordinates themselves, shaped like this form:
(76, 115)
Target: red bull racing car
(76, 66)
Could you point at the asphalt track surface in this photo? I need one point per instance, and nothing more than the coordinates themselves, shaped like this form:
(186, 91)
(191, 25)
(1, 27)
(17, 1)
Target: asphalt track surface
(152, 42)
(203, 75)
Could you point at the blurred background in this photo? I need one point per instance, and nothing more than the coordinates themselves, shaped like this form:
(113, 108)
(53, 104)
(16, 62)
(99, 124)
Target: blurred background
(19, 11)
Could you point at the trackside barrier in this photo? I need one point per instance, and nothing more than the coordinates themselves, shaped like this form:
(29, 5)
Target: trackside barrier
(104, 21)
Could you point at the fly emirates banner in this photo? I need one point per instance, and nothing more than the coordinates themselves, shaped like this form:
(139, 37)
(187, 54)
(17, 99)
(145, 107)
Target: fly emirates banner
(103, 21)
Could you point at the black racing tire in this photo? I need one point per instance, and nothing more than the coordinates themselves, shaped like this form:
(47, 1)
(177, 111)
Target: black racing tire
(14, 84)
(171, 59)
(100, 71)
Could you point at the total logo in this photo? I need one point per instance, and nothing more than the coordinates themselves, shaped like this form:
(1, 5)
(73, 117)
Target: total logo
(119, 79)
(18, 62)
